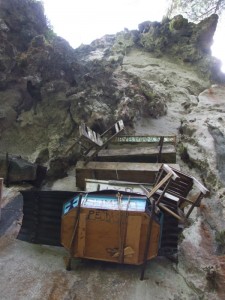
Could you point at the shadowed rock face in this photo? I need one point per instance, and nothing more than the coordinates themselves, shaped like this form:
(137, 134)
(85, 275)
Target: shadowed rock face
(15, 169)
(157, 79)
(183, 41)
(219, 140)
(47, 88)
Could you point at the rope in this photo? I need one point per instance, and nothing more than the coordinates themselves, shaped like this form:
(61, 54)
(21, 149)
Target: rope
(122, 233)
(117, 176)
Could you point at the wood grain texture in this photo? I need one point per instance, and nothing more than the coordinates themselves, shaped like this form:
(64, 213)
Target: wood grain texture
(99, 235)
(134, 172)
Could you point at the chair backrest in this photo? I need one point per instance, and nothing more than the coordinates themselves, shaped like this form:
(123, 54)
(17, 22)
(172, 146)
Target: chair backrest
(113, 131)
(179, 187)
(90, 135)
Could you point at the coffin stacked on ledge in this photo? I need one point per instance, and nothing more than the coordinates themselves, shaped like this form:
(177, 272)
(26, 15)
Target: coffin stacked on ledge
(134, 206)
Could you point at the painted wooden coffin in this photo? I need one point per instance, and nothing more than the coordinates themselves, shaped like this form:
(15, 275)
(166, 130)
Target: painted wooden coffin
(110, 226)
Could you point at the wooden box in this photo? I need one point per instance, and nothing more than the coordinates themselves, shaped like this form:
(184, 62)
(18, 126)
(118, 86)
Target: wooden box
(112, 227)
(123, 171)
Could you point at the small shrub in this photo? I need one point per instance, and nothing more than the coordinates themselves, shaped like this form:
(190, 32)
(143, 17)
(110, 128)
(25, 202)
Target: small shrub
(220, 237)
(220, 240)
(212, 276)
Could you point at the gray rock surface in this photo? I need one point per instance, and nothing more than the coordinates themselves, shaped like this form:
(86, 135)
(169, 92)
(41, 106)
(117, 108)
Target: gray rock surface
(160, 79)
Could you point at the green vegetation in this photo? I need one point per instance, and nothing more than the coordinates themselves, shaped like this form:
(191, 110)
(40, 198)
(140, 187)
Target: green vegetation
(50, 34)
(220, 240)
(212, 276)
(196, 10)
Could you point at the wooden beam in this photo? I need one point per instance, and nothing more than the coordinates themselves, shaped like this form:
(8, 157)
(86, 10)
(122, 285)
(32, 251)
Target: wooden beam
(170, 212)
(155, 189)
(136, 153)
(134, 172)
(147, 139)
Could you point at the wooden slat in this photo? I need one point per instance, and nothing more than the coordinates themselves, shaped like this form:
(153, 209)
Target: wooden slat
(170, 212)
(121, 124)
(154, 244)
(133, 238)
(81, 235)
(159, 185)
(99, 235)
(89, 136)
(142, 153)
(134, 172)
(149, 139)
(201, 187)
(102, 235)
(67, 225)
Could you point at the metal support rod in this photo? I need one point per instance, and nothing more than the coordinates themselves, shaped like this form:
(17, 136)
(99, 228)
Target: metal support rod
(148, 241)
(7, 170)
(160, 149)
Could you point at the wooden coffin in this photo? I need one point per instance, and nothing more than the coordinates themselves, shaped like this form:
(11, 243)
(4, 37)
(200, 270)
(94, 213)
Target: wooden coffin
(138, 154)
(110, 229)
(124, 171)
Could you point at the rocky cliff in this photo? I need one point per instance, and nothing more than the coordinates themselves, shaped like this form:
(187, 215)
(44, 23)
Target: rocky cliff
(160, 79)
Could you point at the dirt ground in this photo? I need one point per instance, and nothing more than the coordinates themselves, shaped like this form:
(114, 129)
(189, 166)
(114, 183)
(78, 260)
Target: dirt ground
(38, 272)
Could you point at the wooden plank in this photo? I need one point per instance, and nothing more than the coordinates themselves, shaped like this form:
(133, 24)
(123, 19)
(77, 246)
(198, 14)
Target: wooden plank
(95, 165)
(149, 139)
(133, 238)
(201, 187)
(154, 241)
(102, 235)
(154, 244)
(142, 154)
(134, 172)
(169, 211)
(121, 124)
(99, 235)
(89, 136)
(157, 187)
(81, 235)
(107, 136)
(67, 225)
(92, 185)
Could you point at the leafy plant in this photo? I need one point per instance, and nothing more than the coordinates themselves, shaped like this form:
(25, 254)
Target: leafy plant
(220, 239)
(196, 10)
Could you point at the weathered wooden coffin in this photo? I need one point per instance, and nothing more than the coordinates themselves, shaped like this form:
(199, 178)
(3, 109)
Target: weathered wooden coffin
(124, 171)
(138, 154)
(112, 227)
(152, 149)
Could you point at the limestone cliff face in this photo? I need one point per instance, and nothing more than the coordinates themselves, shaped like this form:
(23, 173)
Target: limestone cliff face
(153, 78)
(158, 79)
(47, 88)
